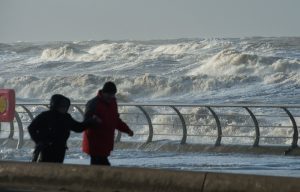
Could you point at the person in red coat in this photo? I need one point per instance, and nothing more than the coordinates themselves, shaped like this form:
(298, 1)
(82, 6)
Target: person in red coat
(99, 141)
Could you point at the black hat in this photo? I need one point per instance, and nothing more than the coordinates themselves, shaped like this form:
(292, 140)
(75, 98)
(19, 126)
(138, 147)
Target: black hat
(58, 101)
(109, 87)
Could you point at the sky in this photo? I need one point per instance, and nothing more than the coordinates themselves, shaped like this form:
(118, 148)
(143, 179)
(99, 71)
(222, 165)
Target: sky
(55, 20)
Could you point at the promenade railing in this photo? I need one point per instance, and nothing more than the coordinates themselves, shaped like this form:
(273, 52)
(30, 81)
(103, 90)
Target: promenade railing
(228, 124)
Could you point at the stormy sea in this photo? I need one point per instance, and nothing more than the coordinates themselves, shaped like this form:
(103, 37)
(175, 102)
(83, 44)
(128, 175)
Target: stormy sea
(254, 70)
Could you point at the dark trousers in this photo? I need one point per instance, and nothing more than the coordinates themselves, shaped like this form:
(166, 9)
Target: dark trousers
(99, 160)
(49, 154)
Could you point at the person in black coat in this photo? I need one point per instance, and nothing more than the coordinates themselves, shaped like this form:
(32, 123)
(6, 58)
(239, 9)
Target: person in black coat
(50, 130)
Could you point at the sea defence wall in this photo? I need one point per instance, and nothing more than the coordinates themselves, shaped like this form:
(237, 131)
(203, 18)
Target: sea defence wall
(241, 149)
(16, 176)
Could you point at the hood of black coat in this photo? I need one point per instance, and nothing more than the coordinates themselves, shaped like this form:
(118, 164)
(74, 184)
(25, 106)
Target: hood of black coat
(58, 101)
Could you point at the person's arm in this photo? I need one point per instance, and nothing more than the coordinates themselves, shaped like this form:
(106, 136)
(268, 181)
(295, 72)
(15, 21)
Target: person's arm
(90, 108)
(74, 125)
(121, 126)
(78, 127)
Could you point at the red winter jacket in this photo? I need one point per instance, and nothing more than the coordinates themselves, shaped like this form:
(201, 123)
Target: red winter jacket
(99, 141)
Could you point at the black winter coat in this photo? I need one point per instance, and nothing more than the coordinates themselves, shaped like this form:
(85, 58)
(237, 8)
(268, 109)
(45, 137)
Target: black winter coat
(52, 127)
(50, 131)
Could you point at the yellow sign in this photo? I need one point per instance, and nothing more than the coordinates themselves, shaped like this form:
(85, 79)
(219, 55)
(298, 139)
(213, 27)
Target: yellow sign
(3, 104)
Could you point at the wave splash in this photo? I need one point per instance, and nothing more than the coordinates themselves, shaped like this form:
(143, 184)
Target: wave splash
(183, 70)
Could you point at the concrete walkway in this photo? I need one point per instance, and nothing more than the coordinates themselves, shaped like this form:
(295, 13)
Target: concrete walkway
(30, 177)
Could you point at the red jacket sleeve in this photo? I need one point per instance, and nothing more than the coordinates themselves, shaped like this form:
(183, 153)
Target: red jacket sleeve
(123, 127)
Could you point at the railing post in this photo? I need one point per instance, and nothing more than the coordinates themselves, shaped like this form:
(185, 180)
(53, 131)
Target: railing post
(150, 137)
(21, 132)
(28, 112)
(12, 130)
(295, 135)
(219, 138)
(184, 129)
(257, 131)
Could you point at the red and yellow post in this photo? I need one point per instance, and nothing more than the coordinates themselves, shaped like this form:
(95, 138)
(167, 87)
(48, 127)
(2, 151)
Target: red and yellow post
(7, 105)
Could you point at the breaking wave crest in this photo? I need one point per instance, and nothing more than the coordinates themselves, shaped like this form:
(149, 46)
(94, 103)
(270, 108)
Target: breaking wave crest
(150, 87)
(183, 70)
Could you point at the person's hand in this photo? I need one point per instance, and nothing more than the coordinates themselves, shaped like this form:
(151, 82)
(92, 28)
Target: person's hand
(130, 133)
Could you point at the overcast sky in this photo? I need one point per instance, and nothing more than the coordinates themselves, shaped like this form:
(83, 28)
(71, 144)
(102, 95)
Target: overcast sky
(48, 20)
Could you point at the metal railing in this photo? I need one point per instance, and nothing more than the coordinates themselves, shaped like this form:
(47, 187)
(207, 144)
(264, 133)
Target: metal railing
(242, 124)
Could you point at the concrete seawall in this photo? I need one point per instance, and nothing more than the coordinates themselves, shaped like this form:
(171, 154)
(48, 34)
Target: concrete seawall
(176, 147)
(16, 176)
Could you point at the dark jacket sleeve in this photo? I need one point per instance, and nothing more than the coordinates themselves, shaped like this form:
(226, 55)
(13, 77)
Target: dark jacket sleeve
(37, 127)
(77, 126)
(121, 126)
(90, 108)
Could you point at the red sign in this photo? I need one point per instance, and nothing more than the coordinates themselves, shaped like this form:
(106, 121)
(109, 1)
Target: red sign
(7, 105)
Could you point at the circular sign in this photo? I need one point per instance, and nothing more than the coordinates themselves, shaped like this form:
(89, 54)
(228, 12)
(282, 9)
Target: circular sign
(3, 104)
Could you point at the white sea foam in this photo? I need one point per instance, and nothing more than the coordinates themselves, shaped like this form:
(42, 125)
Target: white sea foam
(196, 70)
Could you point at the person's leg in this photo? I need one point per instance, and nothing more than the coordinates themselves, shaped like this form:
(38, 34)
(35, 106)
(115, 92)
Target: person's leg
(53, 154)
(104, 161)
(60, 155)
(46, 155)
(36, 154)
(99, 160)
(94, 160)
